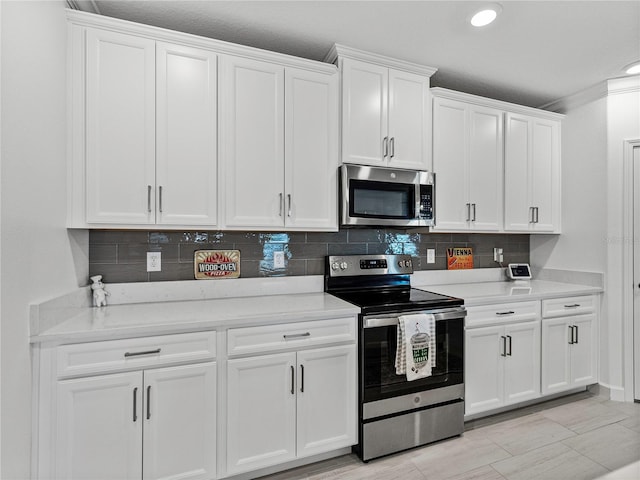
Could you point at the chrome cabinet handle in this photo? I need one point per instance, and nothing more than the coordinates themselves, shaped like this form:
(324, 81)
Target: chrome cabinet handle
(504, 346)
(149, 198)
(293, 372)
(392, 143)
(297, 335)
(301, 378)
(280, 202)
(510, 344)
(468, 212)
(473, 219)
(137, 354)
(135, 404)
(531, 215)
(510, 312)
(576, 330)
(148, 402)
(537, 213)
(160, 199)
(289, 199)
(385, 147)
(575, 305)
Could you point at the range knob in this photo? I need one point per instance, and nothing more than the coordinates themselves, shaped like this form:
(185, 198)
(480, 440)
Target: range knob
(344, 266)
(335, 266)
(407, 263)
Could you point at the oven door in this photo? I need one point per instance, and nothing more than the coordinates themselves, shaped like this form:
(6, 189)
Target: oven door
(378, 378)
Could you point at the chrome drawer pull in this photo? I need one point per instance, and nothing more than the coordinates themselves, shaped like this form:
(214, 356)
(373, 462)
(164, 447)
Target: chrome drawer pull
(137, 354)
(575, 305)
(510, 312)
(297, 335)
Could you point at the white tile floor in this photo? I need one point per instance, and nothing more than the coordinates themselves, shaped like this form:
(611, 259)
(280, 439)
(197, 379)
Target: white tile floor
(583, 436)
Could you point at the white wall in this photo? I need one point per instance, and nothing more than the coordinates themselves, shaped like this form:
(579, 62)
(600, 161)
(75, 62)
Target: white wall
(36, 251)
(623, 122)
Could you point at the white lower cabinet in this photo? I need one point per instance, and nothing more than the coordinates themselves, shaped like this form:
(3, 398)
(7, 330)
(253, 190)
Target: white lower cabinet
(289, 405)
(502, 360)
(569, 344)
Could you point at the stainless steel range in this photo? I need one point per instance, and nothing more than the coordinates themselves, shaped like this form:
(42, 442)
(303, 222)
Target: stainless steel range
(394, 413)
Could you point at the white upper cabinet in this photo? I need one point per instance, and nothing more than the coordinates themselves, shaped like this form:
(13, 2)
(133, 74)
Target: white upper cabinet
(386, 110)
(468, 162)
(148, 127)
(120, 128)
(279, 146)
(186, 167)
(532, 174)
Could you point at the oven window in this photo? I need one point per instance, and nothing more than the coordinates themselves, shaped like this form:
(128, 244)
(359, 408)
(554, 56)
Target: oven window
(368, 199)
(379, 379)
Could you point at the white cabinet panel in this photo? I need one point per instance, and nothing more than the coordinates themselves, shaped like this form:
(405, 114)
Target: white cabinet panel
(484, 375)
(468, 162)
(99, 427)
(556, 355)
(311, 149)
(522, 362)
(187, 136)
(120, 128)
(584, 351)
(326, 408)
(180, 422)
(261, 421)
(253, 142)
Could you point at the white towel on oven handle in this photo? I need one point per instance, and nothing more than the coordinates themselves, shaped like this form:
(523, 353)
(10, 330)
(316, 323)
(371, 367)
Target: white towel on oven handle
(405, 362)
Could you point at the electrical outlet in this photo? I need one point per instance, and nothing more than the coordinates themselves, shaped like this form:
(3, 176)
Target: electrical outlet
(497, 255)
(154, 261)
(278, 259)
(431, 255)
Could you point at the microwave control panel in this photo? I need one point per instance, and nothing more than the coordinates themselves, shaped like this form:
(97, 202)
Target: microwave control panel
(426, 202)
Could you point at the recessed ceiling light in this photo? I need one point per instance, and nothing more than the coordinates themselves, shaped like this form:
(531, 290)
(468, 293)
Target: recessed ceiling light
(486, 15)
(632, 69)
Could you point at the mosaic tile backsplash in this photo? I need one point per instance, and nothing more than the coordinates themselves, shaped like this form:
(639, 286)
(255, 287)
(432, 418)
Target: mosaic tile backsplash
(121, 255)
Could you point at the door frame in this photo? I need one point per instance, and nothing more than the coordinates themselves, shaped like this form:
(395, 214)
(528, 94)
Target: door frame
(628, 286)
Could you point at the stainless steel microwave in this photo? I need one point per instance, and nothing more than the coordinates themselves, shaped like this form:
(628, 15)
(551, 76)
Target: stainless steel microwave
(386, 196)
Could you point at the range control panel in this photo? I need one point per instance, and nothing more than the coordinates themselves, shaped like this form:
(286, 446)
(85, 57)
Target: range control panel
(355, 265)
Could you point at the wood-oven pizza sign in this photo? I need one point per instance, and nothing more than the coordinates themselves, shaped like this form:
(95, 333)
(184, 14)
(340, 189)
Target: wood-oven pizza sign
(212, 264)
(459, 258)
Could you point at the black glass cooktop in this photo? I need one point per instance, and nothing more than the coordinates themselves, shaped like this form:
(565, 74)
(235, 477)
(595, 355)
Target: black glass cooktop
(376, 301)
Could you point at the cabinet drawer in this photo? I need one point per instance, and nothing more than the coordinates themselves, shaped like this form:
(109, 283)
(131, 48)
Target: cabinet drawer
(561, 307)
(270, 338)
(98, 357)
(502, 313)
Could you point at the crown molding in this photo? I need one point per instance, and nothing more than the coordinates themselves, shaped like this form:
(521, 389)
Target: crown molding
(340, 51)
(613, 86)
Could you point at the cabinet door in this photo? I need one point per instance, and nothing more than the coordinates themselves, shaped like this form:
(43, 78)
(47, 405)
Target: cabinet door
(517, 198)
(522, 362)
(311, 152)
(545, 173)
(584, 351)
(484, 369)
(409, 121)
(485, 168)
(450, 151)
(261, 411)
(187, 136)
(120, 128)
(326, 403)
(364, 109)
(252, 140)
(180, 422)
(556, 355)
(99, 427)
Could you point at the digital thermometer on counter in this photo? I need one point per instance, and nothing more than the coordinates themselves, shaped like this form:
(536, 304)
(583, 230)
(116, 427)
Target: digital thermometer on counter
(519, 271)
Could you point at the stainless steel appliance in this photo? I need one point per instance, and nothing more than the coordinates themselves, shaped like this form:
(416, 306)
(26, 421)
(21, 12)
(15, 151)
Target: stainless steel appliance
(386, 196)
(396, 414)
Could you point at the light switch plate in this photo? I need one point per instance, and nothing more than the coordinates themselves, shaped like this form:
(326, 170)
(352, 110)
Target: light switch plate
(431, 255)
(154, 262)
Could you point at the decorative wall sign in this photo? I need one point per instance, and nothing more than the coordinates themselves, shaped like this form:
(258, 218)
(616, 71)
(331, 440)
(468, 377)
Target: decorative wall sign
(459, 258)
(211, 264)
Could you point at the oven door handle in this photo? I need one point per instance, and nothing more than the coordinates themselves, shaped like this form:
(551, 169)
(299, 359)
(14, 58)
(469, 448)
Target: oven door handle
(387, 320)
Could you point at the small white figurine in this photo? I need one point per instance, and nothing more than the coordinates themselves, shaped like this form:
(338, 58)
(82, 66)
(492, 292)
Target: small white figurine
(99, 293)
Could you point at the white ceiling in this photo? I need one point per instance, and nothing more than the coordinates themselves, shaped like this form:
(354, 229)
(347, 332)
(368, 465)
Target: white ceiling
(535, 53)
